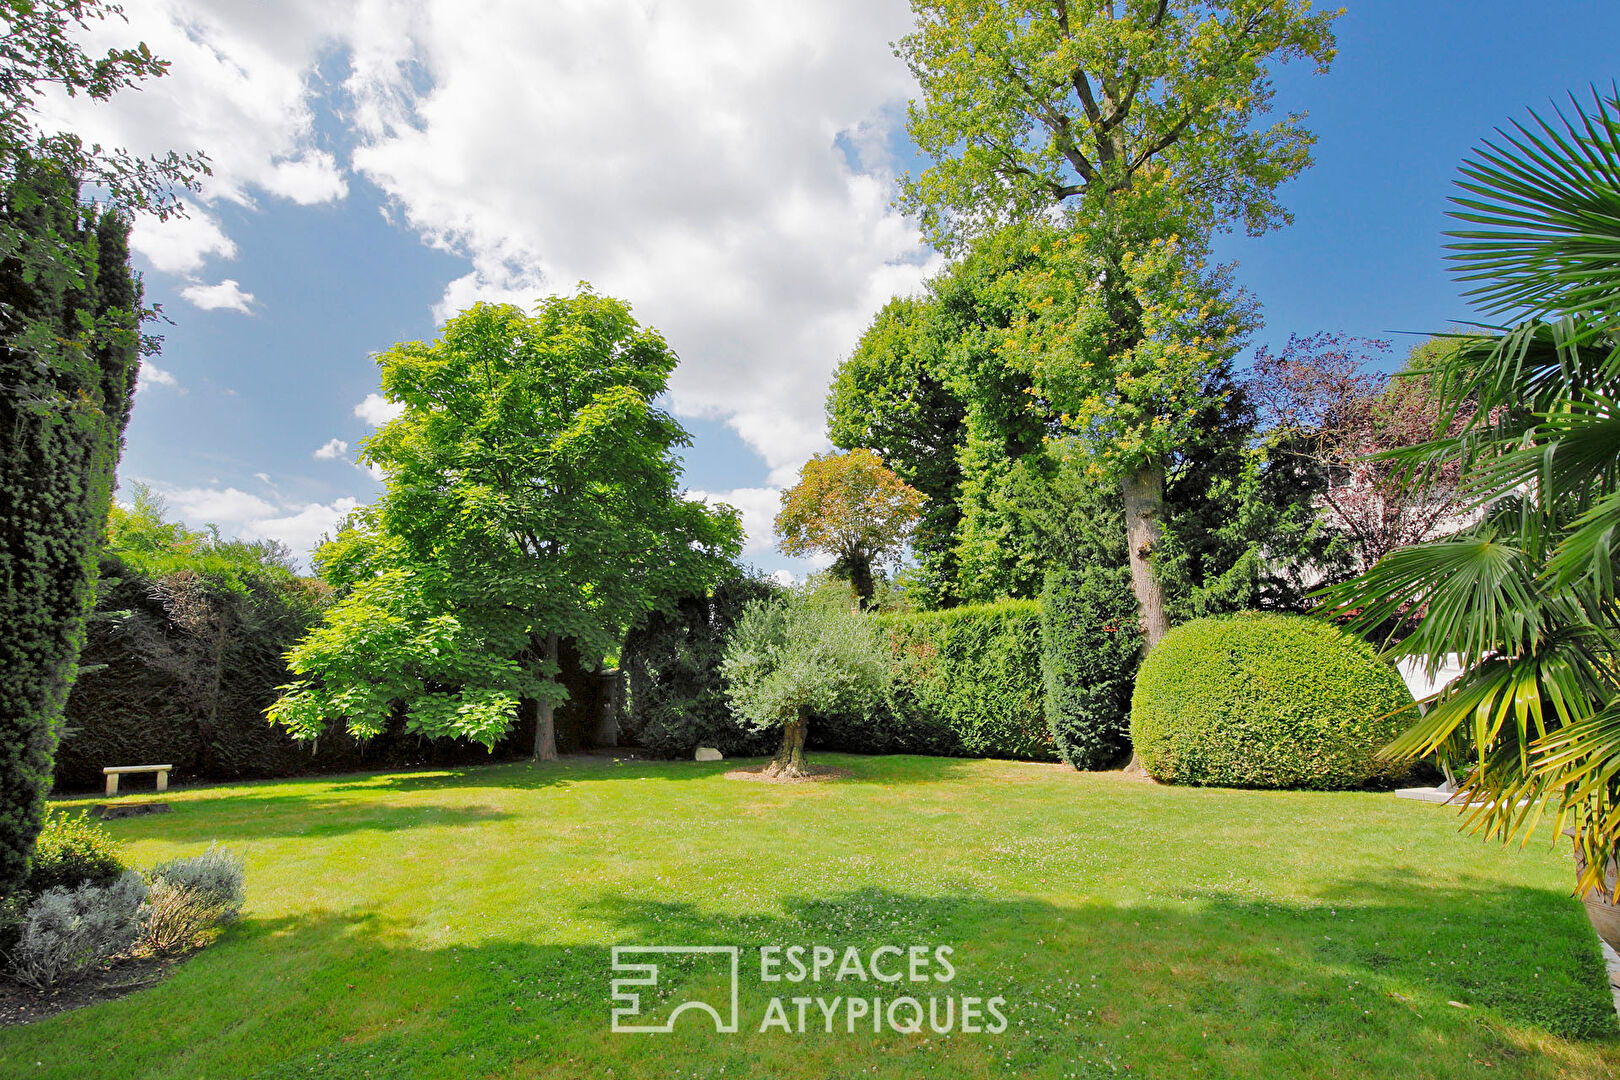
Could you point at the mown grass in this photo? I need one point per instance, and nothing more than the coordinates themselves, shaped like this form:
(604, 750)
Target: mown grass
(460, 923)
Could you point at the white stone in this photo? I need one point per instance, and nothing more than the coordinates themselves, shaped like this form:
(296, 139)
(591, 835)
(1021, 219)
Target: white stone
(709, 753)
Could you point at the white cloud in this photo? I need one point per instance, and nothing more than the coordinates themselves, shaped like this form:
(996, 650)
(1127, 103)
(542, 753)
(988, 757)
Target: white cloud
(227, 295)
(301, 529)
(690, 158)
(238, 514)
(180, 245)
(214, 506)
(683, 157)
(151, 375)
(241, 87)
(331, 450)
(377, 410)
(758, 507)
(784, 578)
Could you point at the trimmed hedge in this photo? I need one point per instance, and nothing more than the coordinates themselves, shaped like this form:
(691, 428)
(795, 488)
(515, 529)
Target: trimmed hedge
(1091, 645)
(967, 683)
(192, 692)
(1265, 701)
(677, 699)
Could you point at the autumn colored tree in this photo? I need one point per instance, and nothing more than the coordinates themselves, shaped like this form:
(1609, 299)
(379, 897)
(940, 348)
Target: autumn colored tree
(1120, 137)
(852, 507)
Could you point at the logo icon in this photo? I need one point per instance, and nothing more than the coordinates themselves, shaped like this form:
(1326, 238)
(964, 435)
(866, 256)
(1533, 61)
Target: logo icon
(646, 974)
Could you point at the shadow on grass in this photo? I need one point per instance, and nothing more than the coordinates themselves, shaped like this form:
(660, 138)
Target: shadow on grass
(588, 768)
(1226, 985)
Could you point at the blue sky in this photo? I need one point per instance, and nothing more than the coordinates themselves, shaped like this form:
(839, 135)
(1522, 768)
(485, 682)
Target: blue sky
(724, 169)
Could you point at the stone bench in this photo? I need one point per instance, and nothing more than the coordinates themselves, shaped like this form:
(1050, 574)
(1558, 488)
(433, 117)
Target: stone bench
(113, 772)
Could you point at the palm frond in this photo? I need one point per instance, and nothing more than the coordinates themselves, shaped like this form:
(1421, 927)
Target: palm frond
(1474, 595)
(1546, 198)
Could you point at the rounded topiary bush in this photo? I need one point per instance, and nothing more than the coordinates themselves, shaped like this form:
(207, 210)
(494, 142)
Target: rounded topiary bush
(1265, 701)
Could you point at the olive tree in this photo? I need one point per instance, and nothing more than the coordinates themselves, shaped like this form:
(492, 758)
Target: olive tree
(789, 659)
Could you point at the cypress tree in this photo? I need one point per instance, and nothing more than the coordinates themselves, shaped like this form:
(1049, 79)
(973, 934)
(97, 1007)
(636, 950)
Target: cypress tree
(70, 346)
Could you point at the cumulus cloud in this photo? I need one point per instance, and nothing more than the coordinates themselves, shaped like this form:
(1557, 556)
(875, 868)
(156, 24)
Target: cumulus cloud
(377, 410)
(151, 375)
(214, 506)
(684, 157)
(301, 528)
(239, 514)
(725, 166)
(242, 87)
(758, 507)
(332, 450)
(226, 296)
(180, 245)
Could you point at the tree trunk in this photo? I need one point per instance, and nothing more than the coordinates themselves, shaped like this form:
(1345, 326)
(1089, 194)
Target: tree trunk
(1144, 513)
(860, 577)
(789, 761)
(545, 728)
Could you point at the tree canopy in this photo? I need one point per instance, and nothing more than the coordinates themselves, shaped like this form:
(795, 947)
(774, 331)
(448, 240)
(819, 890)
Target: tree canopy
(852, 507)
(531, 495)
(1112, 140)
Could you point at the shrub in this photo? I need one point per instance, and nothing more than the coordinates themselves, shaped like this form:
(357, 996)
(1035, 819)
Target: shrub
(677, 698)
(1265, 701)
(969, 677)
(66, 932)
(1091, 644)
(792, 659)
(73, 851)
(189, 896)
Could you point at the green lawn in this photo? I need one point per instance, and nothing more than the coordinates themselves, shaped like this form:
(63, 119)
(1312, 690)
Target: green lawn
(457, 924)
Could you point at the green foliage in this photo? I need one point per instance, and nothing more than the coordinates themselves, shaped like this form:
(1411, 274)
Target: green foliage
(677, 698)
(190, 896)
(794, 657)
(532, 496)
(1524, 596)
(1107, 145)
(890, 396)
(63, 409)
(1266, 701)
(1091, 645)
(184, 652)
(73, 851)
(967, 681)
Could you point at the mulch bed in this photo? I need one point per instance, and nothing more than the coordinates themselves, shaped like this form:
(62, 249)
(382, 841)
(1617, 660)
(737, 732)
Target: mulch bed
(24, 1005)
(817, 773)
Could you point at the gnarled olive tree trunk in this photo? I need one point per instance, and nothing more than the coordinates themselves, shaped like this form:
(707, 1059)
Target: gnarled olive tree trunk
(789, 760)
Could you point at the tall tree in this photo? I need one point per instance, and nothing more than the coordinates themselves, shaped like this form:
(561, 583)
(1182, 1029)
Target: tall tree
(70, 345)
(890, 396)
(1140, 124)
(532, 495)
(852, 507)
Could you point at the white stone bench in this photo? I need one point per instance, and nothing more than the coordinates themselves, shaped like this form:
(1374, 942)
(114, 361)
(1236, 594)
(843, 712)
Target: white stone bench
(115, 771)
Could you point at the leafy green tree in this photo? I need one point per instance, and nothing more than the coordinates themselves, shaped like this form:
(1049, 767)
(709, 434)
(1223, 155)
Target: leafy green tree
(890, 395)
(1525, 596)
(792, 658)
(531, 495)
(1141, 126)
(852, 507)
(70, 346)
